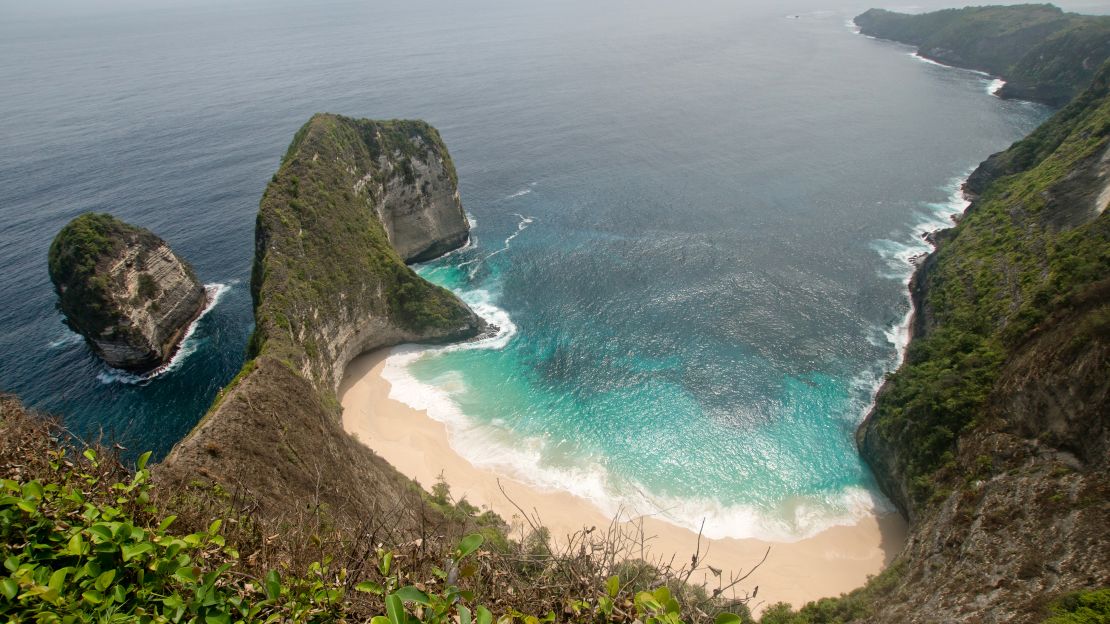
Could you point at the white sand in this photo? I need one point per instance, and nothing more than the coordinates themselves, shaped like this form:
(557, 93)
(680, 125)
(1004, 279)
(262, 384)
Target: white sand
(828, 564)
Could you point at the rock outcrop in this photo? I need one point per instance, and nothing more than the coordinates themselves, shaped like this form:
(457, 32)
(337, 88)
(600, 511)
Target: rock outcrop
(329, 284)
(124, 290)
(993, 436)
(1043, 54)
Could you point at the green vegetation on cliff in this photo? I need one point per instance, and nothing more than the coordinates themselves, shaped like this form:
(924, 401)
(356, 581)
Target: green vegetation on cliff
(321, 249)
(1033, 245)
(75, 255)
(1043, 53)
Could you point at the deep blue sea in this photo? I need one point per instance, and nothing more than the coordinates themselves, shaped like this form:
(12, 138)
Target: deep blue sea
(691, 220)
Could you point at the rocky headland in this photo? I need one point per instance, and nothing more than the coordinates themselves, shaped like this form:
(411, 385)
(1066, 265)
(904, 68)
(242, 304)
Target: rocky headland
(1043, 54)
(351, 202)
(124, 290)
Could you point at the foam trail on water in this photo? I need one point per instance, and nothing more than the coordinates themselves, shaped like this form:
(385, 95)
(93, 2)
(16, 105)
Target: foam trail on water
(520, 227)
(70, 338)
(930, 61)
(995, 86)
(522, 192)
(188, 345)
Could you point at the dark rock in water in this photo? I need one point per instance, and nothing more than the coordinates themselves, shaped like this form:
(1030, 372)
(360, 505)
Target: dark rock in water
(124, 290)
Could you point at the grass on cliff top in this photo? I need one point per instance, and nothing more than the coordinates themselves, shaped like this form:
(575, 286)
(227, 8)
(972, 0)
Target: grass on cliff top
(82, 539)
(321, 250)
(998, 274)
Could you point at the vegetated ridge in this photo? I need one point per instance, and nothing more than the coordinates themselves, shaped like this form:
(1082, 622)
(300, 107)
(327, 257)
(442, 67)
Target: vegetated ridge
(1043, 53)
(327, 286)
(124, 290)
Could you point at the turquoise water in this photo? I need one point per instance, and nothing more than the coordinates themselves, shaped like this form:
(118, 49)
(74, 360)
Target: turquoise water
(692, 221)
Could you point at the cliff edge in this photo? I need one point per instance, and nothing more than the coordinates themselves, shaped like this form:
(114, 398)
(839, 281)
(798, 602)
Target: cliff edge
(328, 284)
(124, 290)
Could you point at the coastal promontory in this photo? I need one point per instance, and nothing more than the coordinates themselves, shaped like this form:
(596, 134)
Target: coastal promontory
(1043, 53)
(352, 200)
(124, 290)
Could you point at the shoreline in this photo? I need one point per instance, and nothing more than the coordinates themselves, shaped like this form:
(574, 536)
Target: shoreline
(837, 560)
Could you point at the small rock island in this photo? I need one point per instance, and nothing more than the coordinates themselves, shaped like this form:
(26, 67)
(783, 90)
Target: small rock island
(124, 290)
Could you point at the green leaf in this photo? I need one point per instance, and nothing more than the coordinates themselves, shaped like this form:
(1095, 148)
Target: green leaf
(469, 544)
(369, 587)
(613, 586)
(58, 579)
(484, 616)
(662, 595)
(218, 618)
(92, 597)
(385, 562)
(273, 585)
(214, 528)
(187, 574)
(102, 531)
(464, 615)
(728, 618)
(394, 609)
(166, 523)
(379, 619)
(130, 551)
(412, 594)
(9, 588)
(143, 459)
(32, 489)
(76, 545)
(105, 580)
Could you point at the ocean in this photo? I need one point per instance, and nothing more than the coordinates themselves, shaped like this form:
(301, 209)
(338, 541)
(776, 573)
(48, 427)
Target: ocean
(692, 221)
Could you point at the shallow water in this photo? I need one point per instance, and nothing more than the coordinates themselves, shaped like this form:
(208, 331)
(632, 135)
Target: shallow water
(693, 223)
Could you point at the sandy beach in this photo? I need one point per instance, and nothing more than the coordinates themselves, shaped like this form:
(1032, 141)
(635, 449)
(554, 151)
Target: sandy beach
(834, 561)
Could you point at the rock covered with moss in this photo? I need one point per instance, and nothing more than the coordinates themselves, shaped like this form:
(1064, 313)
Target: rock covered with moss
(124, 290)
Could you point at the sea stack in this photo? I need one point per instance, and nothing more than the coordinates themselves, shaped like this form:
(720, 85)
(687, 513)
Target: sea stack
(124, 290)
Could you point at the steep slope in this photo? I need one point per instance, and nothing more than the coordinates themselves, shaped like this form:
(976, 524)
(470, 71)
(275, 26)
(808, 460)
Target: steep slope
(992, 436)
(327, 286)
(124, 290)
(1044, 54)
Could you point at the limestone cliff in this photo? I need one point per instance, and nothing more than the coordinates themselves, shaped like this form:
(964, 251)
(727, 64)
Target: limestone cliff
(328, 285)
(1043, 53)
(124, 290)
(993, 436)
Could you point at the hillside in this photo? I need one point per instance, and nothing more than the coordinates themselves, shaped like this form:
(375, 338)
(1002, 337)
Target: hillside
(328, 285)
(1043, 53)
(992, 436)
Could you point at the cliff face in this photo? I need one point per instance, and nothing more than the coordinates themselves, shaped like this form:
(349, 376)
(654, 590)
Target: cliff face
(992, 436)
(328, 285)
(1044, 54)
(124, 290)
(420, 207)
